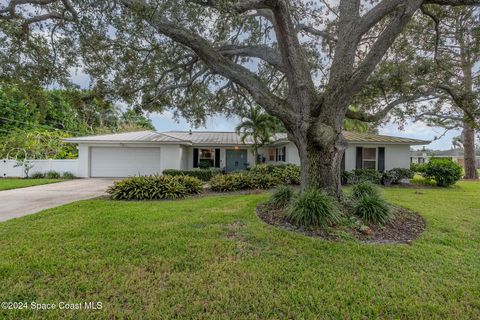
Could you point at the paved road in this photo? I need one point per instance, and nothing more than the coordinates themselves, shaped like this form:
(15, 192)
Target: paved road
(20, 202)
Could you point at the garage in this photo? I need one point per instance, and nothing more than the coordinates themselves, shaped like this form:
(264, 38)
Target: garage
(112, 162)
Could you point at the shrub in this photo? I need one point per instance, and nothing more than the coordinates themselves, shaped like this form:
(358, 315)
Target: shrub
(345, 177)
(264, 181)
(363, 189)
(202, 174)
(281, 196)
(68, 175)
(192, 184)
(313, 208)
(37, 175)
(361, 175)
(372, 209)
(52, 175)
(400, 173)
(154, 188)
(418, 167)
(231, 182)
(444, 171)
(285, 173)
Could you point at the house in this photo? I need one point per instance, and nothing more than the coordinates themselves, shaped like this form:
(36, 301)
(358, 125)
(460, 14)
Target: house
(148, 152)
(455, 154)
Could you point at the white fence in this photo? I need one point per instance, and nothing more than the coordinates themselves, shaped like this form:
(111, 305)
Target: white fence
(8, 169)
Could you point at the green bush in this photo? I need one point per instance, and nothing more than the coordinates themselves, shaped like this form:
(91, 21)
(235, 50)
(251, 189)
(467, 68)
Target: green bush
(400, 173)
(285, 173)
(202, 174)
(363, 189)
(372, 209)
(68, 175)
(444, 171)
(231, 182)
(418, 167)
(281, 196)
(264, 181)
(361, 175)
(192, 184)
(37, 175)
(313, 208)
(52, 175)
(155, 188)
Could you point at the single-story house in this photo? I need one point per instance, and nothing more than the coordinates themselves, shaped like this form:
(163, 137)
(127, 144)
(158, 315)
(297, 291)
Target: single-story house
(149, 152)
(456, 155)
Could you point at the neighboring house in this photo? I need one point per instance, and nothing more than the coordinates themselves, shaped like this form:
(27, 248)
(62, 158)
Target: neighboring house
(148, 152)
(456, 155)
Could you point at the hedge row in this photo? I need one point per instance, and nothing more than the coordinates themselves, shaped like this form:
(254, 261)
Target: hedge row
(155, 187)
(202, 174)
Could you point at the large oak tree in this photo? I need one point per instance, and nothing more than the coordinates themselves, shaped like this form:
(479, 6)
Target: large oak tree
(302, 61)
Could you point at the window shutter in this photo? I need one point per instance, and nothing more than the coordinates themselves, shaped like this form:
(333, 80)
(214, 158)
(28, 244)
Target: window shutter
(359, 160)
(276, 154)
(284, 156)
(195, 157)
(381, 159)
(343, 161)
(217, 158)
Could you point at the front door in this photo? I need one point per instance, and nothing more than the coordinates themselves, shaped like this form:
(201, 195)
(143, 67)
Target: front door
(236, 160)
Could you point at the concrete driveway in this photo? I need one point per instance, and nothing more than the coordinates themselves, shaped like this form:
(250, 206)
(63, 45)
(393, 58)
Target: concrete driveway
(20, 202)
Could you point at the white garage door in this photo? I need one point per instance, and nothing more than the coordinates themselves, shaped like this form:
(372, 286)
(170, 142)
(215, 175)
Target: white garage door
(114, 162)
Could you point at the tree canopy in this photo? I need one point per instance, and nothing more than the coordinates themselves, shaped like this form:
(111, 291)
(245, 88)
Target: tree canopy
(302, 61)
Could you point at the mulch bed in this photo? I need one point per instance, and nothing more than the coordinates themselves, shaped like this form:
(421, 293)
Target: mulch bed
(405, 227)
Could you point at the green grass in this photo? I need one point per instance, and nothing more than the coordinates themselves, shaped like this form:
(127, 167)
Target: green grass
(212, 258)
(10, 183)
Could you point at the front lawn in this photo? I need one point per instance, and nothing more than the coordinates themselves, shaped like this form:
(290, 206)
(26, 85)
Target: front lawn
(10, 183)
(213, 258)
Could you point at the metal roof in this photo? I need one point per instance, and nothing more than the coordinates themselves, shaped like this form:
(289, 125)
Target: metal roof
(227, 138)
(137, 136)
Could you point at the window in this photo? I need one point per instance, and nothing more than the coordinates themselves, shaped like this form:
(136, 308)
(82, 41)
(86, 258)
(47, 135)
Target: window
(369, 158)
(421, 160)
(206, 158)
(271, 154)
(281, 153)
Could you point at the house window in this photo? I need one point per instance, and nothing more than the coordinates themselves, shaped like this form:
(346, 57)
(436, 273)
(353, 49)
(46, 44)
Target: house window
(206, 158)
(421, 160)
(369, 158)
(271, 154)
(281, 153)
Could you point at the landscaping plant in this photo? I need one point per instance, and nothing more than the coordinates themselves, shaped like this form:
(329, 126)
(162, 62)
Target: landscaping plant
(372, 209)
(363, 189)
(202, 174)
(444, 171)
(155, 188)
(281, 196)
(313, 208)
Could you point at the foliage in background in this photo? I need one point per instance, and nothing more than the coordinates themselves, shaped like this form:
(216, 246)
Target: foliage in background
(286, 173)
(33, 121)
(257, 126)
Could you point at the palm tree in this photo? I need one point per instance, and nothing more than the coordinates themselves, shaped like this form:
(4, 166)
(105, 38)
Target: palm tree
(257, 125)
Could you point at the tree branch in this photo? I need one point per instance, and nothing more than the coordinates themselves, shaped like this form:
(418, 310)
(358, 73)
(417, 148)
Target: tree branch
(379, 115)
(317, 32)
(212, 58)
(267, 54)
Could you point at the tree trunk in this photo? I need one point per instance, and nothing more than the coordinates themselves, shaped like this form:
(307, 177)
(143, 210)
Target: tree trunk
(469, 152)
(320, 159)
